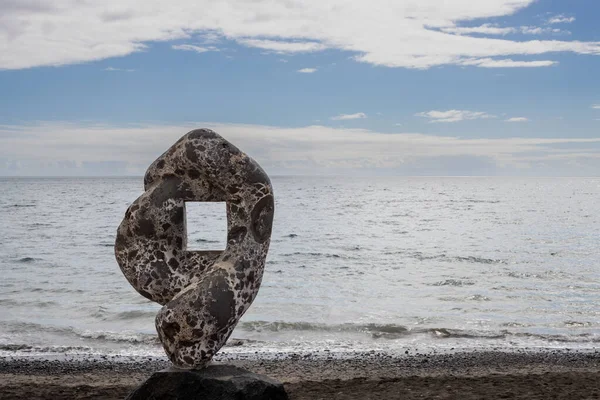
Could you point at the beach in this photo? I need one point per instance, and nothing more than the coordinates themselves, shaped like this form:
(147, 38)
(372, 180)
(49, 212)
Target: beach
(522, 374)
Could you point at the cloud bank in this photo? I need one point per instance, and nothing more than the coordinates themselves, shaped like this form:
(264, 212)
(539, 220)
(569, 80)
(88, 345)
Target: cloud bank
(407, 34)
(53, 148)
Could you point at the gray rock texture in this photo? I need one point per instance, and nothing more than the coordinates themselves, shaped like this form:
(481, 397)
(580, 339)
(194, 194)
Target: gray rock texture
(222, 382)
(203, 293)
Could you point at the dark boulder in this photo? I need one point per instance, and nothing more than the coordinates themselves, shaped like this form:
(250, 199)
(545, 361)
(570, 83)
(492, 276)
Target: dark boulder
(215, 382)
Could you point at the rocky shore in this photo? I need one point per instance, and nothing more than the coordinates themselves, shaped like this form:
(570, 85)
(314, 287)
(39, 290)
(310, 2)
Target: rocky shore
(524, 374)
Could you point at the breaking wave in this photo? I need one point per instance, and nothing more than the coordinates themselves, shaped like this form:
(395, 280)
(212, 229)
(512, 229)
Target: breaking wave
(392, 331)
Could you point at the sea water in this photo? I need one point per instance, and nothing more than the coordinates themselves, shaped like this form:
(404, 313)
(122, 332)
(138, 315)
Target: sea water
(355, 264)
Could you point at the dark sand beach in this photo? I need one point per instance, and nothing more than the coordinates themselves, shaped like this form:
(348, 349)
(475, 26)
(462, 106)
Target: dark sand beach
(549, 374)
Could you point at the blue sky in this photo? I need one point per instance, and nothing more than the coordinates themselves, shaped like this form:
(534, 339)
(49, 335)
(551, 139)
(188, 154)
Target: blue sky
(428, 87)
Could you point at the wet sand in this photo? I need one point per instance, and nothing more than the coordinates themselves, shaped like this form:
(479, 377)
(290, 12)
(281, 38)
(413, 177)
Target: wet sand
(551, 374)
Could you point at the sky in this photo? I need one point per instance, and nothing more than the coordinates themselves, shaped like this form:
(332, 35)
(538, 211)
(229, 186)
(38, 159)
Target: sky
(352, 87)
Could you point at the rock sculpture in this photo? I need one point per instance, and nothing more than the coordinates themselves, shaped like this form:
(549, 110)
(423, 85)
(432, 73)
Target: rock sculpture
(203, 293)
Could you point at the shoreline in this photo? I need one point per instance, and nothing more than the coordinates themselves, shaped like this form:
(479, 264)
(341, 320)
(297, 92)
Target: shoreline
(524, 374)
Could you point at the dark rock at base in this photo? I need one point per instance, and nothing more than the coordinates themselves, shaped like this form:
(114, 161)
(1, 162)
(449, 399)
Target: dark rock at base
(222, 382)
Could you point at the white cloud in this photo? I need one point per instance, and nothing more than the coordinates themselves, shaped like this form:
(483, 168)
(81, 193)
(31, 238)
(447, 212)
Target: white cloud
(50, 33)
(191, 47)
(517, 119)
(538, 30)
(119, 69)
(307, 70)
(283, 47)
(486, 29)
(314, 149)
(453, 115)
(210, 37)
(492, 29)
(507, 63)
(596, 106)
(561, 19)
(343, 117)
(533, 30)
(398, 124)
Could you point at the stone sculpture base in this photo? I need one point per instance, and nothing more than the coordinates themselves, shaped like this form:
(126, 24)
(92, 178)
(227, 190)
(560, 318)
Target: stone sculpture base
(222, 382)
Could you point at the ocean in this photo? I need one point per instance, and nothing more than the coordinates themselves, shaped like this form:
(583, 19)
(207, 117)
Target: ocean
(356, 264)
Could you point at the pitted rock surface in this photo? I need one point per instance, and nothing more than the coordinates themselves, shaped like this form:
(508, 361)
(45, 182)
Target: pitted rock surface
(203, 293)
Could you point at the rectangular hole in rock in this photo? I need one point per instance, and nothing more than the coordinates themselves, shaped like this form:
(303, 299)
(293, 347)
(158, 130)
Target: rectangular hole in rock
(206, 224)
